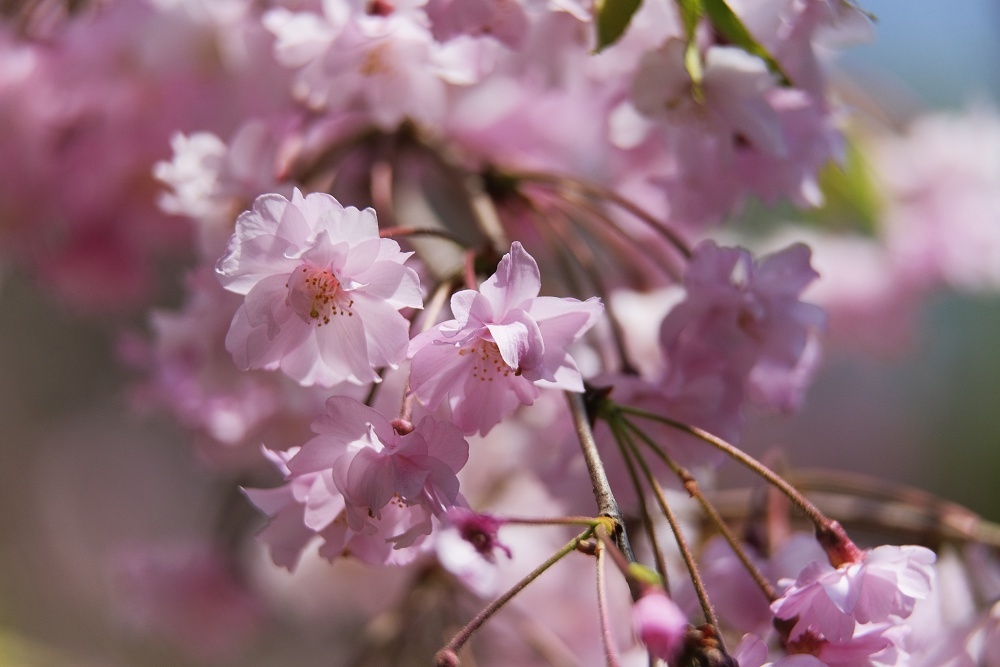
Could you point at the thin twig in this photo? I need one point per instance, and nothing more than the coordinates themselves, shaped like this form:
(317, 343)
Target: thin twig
(400, 232)
(558, 521)
(647, 518)
(606, 504)
(821, 521)
(600, 192)
(682, 545)
(610, 654)
(458, 641)
(691, 486)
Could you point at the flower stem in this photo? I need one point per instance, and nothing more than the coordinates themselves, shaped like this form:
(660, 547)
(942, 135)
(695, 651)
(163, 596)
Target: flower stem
(818, 518)
(458, 641)
(557, 521)
(682, 545)
(691, 486)
(647, 518)
(602, 608)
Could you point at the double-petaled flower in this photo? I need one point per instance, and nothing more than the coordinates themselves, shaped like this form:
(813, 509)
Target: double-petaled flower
(504, 343)
(323, 291)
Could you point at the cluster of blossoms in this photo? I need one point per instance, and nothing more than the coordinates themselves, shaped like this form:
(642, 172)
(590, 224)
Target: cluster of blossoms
(382, 400)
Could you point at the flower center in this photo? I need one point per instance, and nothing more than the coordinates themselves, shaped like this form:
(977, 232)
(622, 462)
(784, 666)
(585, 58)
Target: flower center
(488, 364)
(316, 295)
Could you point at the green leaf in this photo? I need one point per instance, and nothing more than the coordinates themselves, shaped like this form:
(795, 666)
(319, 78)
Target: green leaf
(691, 11)
(731, 28)
(851, 198)
(611, 17)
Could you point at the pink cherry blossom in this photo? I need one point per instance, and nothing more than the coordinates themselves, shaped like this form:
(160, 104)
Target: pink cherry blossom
(742, 323)
(504, 343)
(309, 507)
(209, 180)
(322, 290)
(398, 538)
(505, 20)
(297, 510)
(388, 66)
(886, 581)
(733, 89)
(942, 185)
(874, 645)
(373, 465)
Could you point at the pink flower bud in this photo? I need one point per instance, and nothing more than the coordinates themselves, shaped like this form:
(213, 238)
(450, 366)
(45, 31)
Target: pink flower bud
(660, 624)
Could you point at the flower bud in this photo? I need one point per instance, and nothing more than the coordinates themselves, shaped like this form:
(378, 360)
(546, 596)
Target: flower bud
(659, 624)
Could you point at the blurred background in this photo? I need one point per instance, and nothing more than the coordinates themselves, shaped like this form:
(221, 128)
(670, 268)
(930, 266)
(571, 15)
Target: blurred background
(82, 475)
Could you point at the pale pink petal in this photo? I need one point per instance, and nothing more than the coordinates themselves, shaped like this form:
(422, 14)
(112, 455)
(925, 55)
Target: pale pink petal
(292, 225)
(323, 503)
(303, 264)
(302, 362)
(347, 420)
(513, 341)
(343, 348)
(445, 442)
(566, 375)
(385, 330)
(462, 303)
(437, 369)
(516, 280)
(370, 479)
(484, 404)
(363, 255)
(409, 476)
(396, 284)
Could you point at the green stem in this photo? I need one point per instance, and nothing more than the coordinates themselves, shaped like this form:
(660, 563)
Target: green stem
(602, 608)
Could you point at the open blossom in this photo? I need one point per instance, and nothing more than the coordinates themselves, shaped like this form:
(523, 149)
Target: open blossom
(386, 66)
(743, 324)
(733, 87)
(364, 489)
(506, 21)
(504, 343)
(873, 646)
(885, 582)
(373, 465)
(322, 290)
